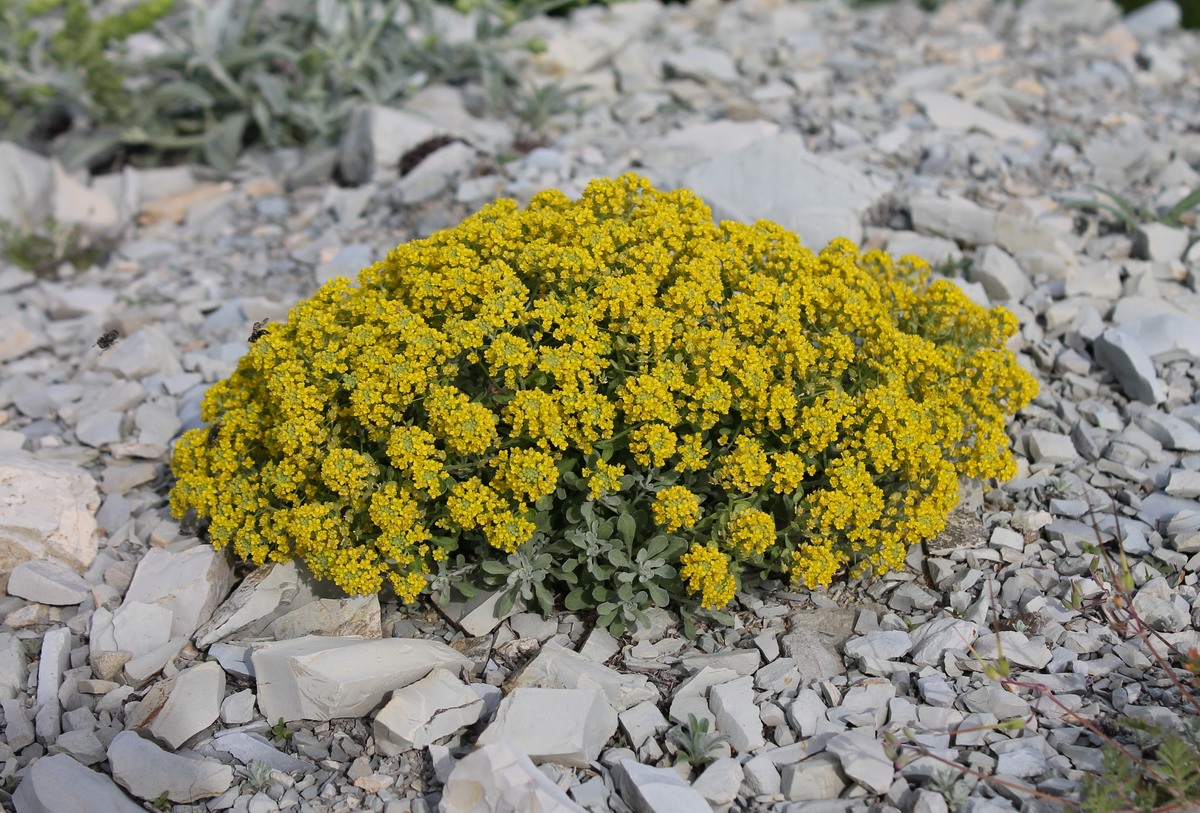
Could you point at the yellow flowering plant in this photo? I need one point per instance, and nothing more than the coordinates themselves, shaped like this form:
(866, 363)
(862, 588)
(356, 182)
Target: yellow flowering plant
(610, 401)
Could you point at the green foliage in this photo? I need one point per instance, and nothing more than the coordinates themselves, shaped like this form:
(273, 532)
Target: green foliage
(1166, 778)
(280, 732)
(952, 787)
(239, 72)
(697, 746)
(1133, 216)
(56, 59)
(43, 250)
(258, 775)
(161, 802)
(614, 402)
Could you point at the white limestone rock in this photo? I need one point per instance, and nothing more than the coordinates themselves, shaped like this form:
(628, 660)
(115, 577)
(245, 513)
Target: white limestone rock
(141, 355)
(952, 113)
(1161, 243)
(26, 186)
(641, 722)
(190, 583)
(59, 784)
(47, 511)
(563, 726)
(265, 594)
(776, 178)
(247, 748)
(376, 138)
(499, 778)
(720, 782)
(818, 777)
(77, 204)
(238, 708)
(556, 667)
(1154, 19)
(319, 678)
(1000, 275)
(177, 709)
(18, 728)
(54, 659)
(863, 759)
(933, 638)
(48, 582)
(478, 615)
(647, 789)
(13, 666)
(352, 616)
(885, 645)
(147, 771)
(137, 628)
(1051, 447)
(955, 218)
(1123, 355)
(423, 712)
(141, 670)
(1016, 647)
(737, 717)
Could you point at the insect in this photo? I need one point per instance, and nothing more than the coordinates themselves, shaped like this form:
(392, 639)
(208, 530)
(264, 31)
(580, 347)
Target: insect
(258, 330)
(213, 431)
(107, 340)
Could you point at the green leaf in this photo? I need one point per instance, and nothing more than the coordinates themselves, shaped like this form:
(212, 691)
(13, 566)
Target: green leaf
(655, 546)
(224, 143)
(627, 527)
(544, 599)
(618, 558)
(1171, 218)
(506, 603)
(658, 595)
(82, 152)
(495, 568)
(575, 600)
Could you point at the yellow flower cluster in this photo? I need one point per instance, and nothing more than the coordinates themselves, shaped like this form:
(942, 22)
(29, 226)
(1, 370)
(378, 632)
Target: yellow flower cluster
(706, 574)
(751, 532)
(675, 507)
(478, 385)
(603, 478)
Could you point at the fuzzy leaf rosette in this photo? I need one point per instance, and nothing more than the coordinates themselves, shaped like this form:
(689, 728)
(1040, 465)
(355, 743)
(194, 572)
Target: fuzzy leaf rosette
(611, 399)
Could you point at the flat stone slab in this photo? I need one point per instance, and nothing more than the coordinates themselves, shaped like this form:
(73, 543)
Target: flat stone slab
(147, 771)
(813, 195)
(647, 789)
(423, 712)
(47, 511)
(190, 583)
(59, 784)
(48, 582)
(556, 667)
(319, 678)
(499, 778)
(563, 726)
(175, 710)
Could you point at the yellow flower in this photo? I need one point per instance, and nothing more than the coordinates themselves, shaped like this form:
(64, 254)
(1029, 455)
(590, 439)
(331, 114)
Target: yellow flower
(626, 336)
(675, 507)
(750, 532)
(603, 478)
(745, 467)
(705, 572)
(527, 474)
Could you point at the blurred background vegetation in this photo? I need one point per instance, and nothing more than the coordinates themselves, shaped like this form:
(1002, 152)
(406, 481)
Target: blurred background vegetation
(161, 81)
